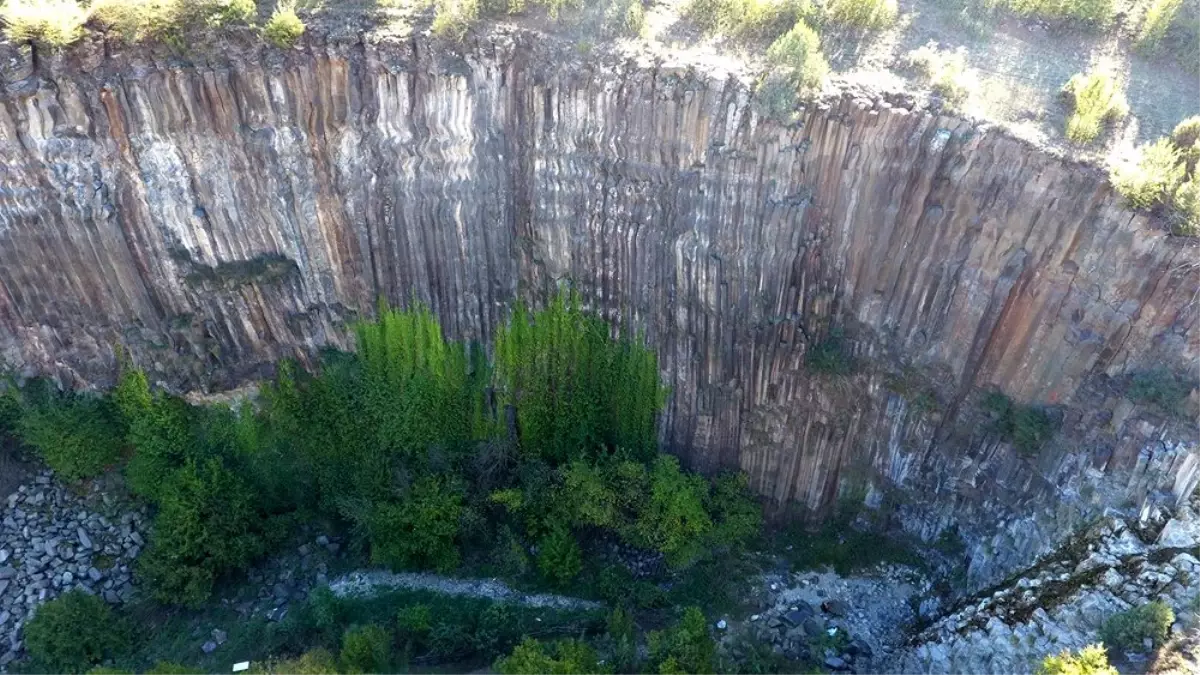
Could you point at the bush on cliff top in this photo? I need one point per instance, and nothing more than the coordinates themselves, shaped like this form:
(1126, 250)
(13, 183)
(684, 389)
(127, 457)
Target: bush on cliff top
(1152, 176)
(797, 54)
(863, 14)
(168, 20)
(284, 28)
(56, 23)
(1095, 99)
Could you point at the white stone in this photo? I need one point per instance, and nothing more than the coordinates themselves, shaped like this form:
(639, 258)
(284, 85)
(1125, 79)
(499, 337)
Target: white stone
(1180, 533)
(240, 666)
(722, 624)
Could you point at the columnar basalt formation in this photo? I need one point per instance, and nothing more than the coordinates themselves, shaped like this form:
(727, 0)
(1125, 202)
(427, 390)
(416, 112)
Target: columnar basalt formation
(216, 213)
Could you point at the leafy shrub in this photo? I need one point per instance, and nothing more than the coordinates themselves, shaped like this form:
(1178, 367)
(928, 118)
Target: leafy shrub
(56, 23)
(1026, 427)
(737, 516)
(160, 429)
(865, 14)
(686, 647)
(559, 557)
(561, 657)
(74, 632)
(419, 532)
(1186, 201)
(1152, 178)
(206, 526)
(944, 71)
(454, 18)
(1154, 26)
(1159, 387)
(1095, 98)
(798, 53)
(76, 434)
(1091, 660)
(366, 649)
(776, 97)
(674, 521)
(831, 355)
(1128, 630)
(173, 668)
(284, 28)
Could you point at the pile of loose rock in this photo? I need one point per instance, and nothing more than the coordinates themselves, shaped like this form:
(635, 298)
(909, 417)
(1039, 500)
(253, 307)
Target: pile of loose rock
(1062, 603)
(286, 578)
(845, 623)
(53, 540)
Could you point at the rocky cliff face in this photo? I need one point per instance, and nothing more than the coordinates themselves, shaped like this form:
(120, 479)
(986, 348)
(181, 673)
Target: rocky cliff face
(216, 214)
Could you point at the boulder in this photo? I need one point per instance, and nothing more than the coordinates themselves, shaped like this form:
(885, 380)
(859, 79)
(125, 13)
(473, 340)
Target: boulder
(1179, 533)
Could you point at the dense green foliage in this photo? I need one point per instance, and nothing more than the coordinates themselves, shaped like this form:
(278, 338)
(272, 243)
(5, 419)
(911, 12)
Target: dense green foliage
(686, 647)
(74, 632)
(574, 388)
(366, 649)
(78, 435)
(1091, 660)
(1161, 388)
(417, 450)
(1128, 630)
(1027, 427)
(1156, 22)
(1095, 99)
(561, 657)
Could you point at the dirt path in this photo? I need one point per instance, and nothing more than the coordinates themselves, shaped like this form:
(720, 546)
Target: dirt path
(374, 582)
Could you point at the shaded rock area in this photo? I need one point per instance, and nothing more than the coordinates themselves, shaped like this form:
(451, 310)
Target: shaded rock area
(847, 624)
(54, 539)
(278, 582)
(1063, 601)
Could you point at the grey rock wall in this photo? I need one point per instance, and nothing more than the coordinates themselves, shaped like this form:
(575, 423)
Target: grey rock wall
(216, 213)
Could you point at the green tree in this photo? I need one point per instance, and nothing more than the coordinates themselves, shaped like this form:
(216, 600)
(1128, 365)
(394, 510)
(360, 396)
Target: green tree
(206, 526)
(559, 557)
(674, 521)
(78, 435)
(159, 429)
(686, 647)
(419, 531)
(74, 632)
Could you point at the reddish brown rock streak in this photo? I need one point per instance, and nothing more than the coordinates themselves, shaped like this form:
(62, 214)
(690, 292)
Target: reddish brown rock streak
(131, 184)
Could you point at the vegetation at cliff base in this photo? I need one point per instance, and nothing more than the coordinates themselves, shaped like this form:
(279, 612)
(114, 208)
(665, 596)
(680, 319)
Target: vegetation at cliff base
(74, 632)
(421, 453)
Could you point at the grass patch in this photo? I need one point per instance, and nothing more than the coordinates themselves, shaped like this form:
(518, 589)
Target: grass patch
(1151, 177)
(863, 14)
(747, 19)
(1095, 99)
(1158, 19)
(55, 23)
(454, 18)
(944, 71)
(1093, 12)
(169, 20)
